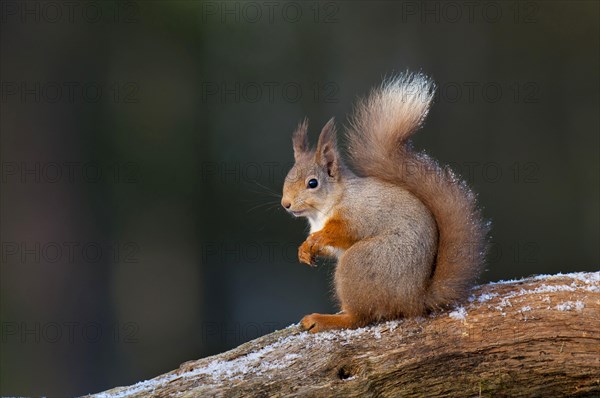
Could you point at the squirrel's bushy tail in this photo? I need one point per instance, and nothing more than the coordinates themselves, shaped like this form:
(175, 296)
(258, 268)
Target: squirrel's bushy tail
(379, 147)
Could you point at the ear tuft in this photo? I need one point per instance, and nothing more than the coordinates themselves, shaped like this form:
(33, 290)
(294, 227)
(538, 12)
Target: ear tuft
(300, 139)
(327, 154)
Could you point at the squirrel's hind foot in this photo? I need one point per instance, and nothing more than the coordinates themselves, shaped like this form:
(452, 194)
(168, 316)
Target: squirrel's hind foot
(315, 323)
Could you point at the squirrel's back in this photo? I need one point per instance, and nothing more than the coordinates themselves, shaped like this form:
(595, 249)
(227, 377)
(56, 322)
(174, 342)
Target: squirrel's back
(387, 208)
(379, 148)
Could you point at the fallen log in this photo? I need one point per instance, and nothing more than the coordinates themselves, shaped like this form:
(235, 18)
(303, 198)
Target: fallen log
(538, 336)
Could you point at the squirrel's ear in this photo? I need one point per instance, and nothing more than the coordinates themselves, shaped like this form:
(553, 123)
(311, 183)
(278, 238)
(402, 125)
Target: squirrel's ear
(327, 154)
(300, 139)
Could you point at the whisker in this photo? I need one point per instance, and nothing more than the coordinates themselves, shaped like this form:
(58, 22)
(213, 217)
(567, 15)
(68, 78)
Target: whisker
(308, 204)
(266, 195)
(267, 205)
(269, 190)
(261, 196)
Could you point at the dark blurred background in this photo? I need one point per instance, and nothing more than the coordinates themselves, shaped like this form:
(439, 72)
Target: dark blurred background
(142, 142)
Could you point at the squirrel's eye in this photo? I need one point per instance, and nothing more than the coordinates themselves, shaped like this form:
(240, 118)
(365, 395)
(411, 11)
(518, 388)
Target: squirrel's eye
(313, 183)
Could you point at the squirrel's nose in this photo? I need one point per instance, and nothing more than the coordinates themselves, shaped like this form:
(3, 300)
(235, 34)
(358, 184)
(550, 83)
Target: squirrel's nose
(286, 203)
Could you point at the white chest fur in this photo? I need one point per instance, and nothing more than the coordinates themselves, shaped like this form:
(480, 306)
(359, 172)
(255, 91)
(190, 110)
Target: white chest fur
(317, 222)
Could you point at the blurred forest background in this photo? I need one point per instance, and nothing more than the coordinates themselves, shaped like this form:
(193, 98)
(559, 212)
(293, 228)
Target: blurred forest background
(141, 141)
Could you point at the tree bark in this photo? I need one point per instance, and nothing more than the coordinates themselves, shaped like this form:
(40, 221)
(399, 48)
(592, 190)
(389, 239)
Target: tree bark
(533, 337)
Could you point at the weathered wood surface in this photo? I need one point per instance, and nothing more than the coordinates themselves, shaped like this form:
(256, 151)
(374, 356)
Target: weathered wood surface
(537, 337)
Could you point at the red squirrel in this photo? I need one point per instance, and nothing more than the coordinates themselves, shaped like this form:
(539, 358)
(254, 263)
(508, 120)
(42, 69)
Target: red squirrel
(407, 234)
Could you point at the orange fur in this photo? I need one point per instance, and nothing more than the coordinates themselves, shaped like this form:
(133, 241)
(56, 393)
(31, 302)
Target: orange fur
(335, 234)
(315, 323)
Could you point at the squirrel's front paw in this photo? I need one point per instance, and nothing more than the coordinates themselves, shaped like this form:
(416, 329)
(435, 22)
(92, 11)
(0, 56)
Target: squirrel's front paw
(305, 256)
(310, 249)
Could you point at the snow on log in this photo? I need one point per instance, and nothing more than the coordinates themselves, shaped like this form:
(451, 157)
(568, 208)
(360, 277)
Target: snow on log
(538, 336)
